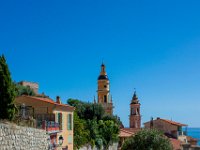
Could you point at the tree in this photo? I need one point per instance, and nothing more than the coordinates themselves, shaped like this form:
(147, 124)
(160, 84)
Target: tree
(24, 90)
(87, 110)
(147, 139)
(115, 119)
(81, 134)
(102, 129)
(109, 132)
(74, 102)
(7, 92)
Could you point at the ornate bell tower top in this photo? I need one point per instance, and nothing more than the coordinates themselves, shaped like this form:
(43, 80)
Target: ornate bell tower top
(135, 99)
(103, 74)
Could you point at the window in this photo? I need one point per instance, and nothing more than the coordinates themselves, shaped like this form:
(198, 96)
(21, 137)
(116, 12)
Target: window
(105, 99)
(132, 111)
(70, 139)
(69, 122)
(60, 121)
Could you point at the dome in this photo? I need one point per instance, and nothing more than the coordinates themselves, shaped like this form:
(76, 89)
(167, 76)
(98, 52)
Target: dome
(103, 77)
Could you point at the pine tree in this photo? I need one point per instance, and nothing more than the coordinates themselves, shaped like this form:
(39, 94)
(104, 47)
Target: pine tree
(7, 92)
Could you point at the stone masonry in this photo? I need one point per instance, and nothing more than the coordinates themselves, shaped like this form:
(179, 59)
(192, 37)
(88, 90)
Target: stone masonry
(13, 137)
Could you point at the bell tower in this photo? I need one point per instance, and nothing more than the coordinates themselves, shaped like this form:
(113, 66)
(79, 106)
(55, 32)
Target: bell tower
(103, 91)
(135, 117)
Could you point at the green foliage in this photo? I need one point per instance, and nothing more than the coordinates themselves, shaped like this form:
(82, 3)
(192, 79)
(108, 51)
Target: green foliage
(109, 131)
(94, 136)
(7, 92)
(115, 119)
(87, 110)
(102, 130)
(82, 134)
(24, 90)
(147, 140)
(74, 102)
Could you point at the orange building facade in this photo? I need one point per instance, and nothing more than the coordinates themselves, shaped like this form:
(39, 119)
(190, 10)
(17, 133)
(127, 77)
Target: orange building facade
(54, 117)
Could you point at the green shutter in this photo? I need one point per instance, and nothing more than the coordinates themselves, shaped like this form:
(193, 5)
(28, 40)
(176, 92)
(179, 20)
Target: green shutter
(60, 121)
(56, 117)
(63, 123)
(69, 121)
(70, 139)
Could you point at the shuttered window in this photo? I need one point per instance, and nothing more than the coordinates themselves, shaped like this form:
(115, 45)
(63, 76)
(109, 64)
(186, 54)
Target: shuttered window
(56, 117)
(69, 122)
(70, 139)
(60, 120)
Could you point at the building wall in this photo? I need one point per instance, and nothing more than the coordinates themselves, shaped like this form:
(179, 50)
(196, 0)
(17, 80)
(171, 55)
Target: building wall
(103, 89)
(162, 126)
(135, 117)
(32, 85)
(66, 134)
(13, 137)
(41, 107)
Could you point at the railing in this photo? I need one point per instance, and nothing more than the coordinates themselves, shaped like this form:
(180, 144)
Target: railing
(107, 104)
(182, 133)
(49, 126)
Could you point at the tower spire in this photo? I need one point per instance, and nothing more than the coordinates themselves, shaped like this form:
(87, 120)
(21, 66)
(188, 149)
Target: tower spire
(135, 98)
(103, 69)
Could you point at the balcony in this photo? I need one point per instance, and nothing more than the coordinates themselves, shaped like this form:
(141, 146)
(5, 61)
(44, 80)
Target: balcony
(182, 133)
(50, 126)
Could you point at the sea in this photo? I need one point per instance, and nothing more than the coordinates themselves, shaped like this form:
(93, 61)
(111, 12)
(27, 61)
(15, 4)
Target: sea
(194, 132)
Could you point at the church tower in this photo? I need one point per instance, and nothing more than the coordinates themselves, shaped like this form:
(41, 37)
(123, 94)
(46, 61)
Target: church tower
(103, 91)
(135, 117)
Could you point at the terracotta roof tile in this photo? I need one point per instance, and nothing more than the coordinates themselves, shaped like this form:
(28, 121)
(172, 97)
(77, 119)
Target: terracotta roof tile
(173, 122)
(48, 100)
(127, 132)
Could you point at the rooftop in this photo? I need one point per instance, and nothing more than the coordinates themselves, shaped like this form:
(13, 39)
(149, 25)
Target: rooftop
(47, 100)
(173, 122)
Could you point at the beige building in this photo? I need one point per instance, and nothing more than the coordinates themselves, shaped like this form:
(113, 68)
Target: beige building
(167, 126)
(56, 118)
(33, 85)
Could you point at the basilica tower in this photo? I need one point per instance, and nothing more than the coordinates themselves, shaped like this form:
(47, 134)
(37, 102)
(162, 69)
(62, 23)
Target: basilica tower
(103, 91)
(135, 117)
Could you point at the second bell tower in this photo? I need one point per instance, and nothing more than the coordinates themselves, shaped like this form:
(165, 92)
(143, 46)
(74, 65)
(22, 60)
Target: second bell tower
(135, 117)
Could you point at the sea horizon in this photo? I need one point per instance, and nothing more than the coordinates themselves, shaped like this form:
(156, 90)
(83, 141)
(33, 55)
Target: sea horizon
(194, 132)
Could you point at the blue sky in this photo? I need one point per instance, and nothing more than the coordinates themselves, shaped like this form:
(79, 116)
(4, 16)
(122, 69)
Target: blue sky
(153, 46)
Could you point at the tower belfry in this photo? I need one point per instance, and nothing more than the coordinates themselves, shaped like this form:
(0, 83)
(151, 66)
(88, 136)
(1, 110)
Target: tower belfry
(135, 117)
(103, 91)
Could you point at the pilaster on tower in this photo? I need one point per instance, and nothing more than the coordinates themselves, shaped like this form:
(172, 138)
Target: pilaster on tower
(103, 91)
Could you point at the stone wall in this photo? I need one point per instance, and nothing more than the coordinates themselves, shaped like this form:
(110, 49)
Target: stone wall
(13, 137)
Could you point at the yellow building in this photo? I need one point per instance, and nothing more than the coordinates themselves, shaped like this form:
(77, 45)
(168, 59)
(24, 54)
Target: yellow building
(103, 91)
(56, 118)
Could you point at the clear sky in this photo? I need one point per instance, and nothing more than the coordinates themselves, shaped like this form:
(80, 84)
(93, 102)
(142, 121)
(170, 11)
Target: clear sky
(153, 46)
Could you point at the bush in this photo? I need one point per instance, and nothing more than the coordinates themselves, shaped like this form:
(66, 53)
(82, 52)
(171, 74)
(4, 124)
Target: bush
(147, 139)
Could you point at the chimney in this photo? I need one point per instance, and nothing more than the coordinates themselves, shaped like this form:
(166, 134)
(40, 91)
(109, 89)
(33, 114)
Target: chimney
(58, 100)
